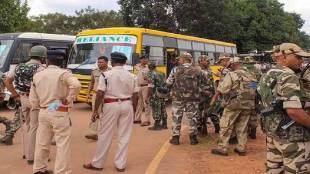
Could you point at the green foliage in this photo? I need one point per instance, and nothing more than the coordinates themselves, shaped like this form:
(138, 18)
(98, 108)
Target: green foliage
(252, 24)
(13, 15)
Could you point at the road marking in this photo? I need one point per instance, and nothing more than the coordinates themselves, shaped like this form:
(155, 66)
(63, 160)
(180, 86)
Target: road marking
(152, 168)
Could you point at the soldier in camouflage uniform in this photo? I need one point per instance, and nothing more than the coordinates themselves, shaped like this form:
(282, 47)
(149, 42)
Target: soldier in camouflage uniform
(156, 80)
(284, 116)
(188, 84)
(248, 63)
(205, 100)
(238, 88)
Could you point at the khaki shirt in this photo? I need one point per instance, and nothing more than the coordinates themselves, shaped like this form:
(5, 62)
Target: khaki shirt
(95, 78)
(118, 83)
(53, 83)
(142, 72)
(226, 84)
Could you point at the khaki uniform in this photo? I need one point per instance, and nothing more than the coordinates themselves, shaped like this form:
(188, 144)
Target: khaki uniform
(233, 119)
(118, 84)
(52, 84)
(29, 118)
(93, 126)
(143, 84)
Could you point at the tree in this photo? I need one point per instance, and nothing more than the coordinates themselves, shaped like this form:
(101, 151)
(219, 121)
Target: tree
(13, 15)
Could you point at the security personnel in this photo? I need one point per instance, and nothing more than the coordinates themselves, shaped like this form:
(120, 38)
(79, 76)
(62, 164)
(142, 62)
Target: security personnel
(284, 115)
(102, 63)
(118, 90)
(188, 83)
(204, 63)
(142, 71)
(53, 91)
(236, 87)
(157, 102)
(30, 125)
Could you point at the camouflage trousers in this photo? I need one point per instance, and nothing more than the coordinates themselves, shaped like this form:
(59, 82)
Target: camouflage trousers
(14, 125)
(287, 157)
(158, 106)
(234, 120)
(203, 115)
(191, 111)
(253, 120)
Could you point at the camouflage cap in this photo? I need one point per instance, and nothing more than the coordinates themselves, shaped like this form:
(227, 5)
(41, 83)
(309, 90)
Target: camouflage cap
(38, 51)
(235, 60)
(248, 59)
(203, 57)
(289, 48)
(224, 56)
(186, 56)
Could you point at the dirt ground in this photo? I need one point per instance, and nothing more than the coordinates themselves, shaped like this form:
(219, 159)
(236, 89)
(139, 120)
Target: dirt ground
(143, 149)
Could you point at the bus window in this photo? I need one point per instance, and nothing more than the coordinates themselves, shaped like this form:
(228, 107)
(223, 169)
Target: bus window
(5, 46)
(22, 52)
(157, 55)
(196, 56)
(212, 58)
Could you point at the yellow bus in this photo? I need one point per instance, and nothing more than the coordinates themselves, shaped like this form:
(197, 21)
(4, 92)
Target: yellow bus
(162, 48)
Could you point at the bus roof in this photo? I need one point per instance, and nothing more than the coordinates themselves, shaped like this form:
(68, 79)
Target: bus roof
(135, 31)
(33, 35)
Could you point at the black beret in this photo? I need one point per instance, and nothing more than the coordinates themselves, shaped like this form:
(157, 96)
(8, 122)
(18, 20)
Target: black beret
(145, 56)
(55, 54)
(118, 55)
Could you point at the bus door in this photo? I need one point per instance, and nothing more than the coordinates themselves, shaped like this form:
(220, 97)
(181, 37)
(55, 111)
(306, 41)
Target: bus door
(171, 54)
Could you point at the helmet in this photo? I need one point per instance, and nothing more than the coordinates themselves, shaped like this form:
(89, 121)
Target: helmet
(235, 60)
(162, 92)
(248, 59)
(38, 51)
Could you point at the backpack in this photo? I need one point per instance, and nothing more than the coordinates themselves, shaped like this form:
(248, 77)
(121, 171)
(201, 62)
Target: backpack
(23, 76)
(187, 84)
(244, 92)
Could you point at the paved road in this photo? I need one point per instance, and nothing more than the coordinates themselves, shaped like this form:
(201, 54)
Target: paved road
(149, 152)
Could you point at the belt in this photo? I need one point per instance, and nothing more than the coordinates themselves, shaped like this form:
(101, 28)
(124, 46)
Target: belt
(143, 85)
(113, 100)
(60, 109)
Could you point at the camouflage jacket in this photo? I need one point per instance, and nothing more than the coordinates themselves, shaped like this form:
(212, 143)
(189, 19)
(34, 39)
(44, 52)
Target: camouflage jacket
(279, 89)
(156, 80)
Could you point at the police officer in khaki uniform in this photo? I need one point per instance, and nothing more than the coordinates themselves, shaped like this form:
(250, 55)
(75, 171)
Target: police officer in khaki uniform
(118, 91)
(142, 78)
(102, 63)
(30, 116)
(53, 91)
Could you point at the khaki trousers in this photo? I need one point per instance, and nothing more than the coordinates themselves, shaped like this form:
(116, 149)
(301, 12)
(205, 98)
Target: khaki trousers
(29, 127)
(93, 126)
(115, 116)
(142, 106)
(58, 124)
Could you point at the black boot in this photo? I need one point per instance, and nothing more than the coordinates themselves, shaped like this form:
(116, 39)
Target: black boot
(202, 131)
(252, 133)
(217, 128)
(193, 139)
(164, 123)
(7, 140)
(175, 140)
(156, 126)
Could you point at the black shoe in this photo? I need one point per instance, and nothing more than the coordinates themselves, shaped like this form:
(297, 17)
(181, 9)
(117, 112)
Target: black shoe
(156, 126)
(233, 140)
(45, 172)
(164, 124)
(252, 133)
(193, 139)
(7, 140)
(175, 140)
(216, 128)
(240, 152)
(30, 162)
(219, 152)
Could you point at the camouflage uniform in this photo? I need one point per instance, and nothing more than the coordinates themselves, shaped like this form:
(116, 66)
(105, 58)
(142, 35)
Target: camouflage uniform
(287, 149)
(238, 104)
(205, 101)
(186, 99)
(158, 105)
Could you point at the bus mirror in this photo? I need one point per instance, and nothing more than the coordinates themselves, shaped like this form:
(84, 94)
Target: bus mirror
(135, 58)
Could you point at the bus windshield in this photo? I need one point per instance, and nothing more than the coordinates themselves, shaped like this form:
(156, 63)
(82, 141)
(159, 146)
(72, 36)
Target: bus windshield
(5, 46)
(87, 49)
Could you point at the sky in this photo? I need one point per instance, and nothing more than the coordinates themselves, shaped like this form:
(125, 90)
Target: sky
(70, 6)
